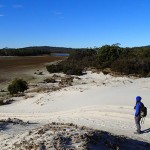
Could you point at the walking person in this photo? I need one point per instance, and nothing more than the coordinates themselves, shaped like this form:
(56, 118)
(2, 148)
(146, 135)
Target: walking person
(139, 105)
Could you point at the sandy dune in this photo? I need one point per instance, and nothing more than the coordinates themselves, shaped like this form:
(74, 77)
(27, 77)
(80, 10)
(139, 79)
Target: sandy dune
(98, 101)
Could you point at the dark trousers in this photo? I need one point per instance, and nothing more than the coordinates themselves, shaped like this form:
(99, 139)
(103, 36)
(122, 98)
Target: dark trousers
(137, 122)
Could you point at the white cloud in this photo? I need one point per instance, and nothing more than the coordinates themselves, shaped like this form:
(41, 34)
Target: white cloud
(1, 15)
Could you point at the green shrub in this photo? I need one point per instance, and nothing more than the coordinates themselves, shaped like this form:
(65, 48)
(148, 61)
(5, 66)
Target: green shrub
(83, 58)
(108, 54)
(54, 68)
(81, 54)
(18, 85)
(71, 69)
(132, 66)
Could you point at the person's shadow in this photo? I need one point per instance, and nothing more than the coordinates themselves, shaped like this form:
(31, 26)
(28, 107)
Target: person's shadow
(145, 131)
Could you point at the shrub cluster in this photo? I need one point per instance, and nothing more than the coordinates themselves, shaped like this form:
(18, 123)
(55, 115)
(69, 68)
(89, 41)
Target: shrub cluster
(54, 68)
(69, 69)
(72, 69)
(132, 66)
(18, 85)
(108, 54)
(123, 60)
(76, 62)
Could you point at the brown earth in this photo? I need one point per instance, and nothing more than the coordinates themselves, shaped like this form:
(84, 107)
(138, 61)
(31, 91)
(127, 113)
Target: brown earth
(23, 67)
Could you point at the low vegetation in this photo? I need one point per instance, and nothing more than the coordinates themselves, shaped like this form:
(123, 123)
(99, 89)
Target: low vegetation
(50, 80)
(54, 68)
(6, 102)
(75, 63)
(135, 61)
(18, 85)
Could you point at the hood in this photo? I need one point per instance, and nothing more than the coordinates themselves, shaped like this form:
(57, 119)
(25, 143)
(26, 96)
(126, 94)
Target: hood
(138, 98)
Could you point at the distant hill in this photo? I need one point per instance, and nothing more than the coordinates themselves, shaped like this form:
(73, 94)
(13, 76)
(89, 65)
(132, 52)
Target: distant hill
(50, 48)
(34, 51)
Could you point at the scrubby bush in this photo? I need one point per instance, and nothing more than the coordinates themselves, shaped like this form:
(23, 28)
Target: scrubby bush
(67, 68)
(83, 58)
(108, 54)
(132, 66)
(18, 85)
(81, 54)
(49, 80)
(54, 68)
(72, 69)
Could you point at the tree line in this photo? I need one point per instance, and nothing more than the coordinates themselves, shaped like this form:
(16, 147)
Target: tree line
(33, 51)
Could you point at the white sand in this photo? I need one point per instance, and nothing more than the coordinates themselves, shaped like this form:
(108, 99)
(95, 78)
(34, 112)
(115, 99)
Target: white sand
(99, 101)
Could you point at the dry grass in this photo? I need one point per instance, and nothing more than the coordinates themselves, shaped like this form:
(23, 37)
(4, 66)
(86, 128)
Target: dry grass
(23, 67)
(44, 89)
(11, 65)
(25, 62)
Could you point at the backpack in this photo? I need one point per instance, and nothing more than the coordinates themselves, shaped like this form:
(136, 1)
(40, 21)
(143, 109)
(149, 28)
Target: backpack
(143, 111)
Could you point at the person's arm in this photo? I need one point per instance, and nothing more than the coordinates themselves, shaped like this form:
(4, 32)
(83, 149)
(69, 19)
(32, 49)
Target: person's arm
(137, 112)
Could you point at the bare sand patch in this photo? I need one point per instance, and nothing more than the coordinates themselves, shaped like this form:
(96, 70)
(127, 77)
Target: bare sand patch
(98, 101)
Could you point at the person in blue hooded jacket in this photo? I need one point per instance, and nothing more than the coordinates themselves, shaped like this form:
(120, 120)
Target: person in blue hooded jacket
(138, 107)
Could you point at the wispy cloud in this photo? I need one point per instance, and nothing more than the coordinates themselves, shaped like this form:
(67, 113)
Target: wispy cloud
(1, 15)
(17, 6)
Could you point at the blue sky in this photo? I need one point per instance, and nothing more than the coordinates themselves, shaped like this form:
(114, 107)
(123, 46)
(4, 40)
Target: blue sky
(74, 23)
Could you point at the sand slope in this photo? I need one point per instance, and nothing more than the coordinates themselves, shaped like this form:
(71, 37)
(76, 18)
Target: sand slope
(98, 101)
